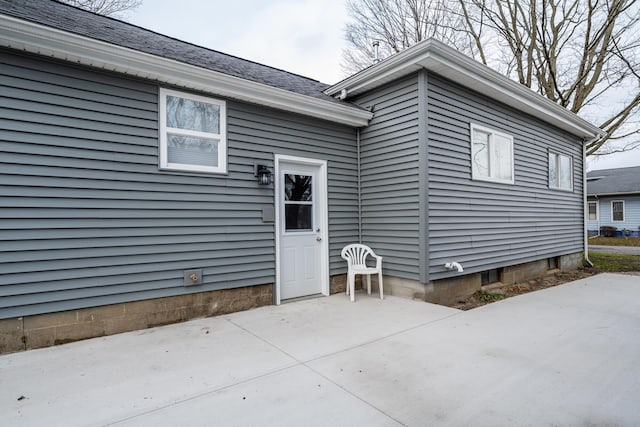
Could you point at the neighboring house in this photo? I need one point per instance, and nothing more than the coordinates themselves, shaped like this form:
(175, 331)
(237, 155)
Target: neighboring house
(130, 195)
(614, 201)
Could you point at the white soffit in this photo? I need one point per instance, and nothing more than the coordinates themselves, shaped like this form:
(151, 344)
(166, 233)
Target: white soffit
(441, 59)
(42, 40)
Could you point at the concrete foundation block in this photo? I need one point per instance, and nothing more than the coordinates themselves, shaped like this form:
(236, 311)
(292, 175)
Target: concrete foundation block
(450, 291)
(338, 283)
(49, 329)
(404, 288)
(521, 272)
(38, 338)
(50, 320)
(571, 261)
(11, 335)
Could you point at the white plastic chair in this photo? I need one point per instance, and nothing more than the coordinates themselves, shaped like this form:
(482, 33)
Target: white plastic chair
(356, 256)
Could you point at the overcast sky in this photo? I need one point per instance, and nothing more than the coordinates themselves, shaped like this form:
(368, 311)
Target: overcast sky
(301, 36)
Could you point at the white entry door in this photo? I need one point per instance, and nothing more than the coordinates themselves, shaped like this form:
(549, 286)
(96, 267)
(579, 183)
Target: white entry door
(302, 236)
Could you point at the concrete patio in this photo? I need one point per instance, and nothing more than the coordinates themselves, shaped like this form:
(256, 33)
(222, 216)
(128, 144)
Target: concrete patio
(568, 356)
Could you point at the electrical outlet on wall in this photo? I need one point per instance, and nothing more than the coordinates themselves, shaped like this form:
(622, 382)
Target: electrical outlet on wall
(192, 277)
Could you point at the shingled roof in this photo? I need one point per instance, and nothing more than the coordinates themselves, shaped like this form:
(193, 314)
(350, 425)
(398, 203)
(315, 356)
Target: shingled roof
(613, 181)
(74, 20)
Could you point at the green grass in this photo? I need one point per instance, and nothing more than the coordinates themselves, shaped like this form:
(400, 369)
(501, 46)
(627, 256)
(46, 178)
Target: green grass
(615, 241)
(615, 262)
(488, 297)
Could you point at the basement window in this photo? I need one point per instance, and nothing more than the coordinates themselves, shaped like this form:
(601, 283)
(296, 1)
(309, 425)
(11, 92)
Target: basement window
(553, 263)
(490, 276)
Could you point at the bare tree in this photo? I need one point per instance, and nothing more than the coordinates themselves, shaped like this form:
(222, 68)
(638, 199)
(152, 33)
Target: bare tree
(113, 8)
(397, 24)
(581, 54)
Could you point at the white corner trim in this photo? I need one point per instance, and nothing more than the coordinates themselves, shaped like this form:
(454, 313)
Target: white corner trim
(42, 40)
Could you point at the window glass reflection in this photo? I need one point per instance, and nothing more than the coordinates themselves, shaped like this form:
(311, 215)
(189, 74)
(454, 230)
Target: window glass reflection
(298, 217)
(297, 188)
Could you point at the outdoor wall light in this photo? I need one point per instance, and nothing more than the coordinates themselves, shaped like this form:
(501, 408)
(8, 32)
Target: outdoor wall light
(264, 174)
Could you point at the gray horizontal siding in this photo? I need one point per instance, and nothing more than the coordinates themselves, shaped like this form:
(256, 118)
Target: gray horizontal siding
(485, 225)
(389, 179)
(88, 219)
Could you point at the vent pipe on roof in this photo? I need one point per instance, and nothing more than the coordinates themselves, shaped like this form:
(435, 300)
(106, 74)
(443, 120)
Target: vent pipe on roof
(376, 51)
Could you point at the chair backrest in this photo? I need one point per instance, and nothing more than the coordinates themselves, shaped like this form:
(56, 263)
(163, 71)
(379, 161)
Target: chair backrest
(356, 254)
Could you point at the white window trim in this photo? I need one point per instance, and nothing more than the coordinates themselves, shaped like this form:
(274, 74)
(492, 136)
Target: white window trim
(221, 137)
(474, 174)
(623, 210)
(558, 154)
(597, 218)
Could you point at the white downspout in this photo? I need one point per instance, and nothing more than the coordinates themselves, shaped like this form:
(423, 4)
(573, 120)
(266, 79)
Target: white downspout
(358, 178)
(584, 199)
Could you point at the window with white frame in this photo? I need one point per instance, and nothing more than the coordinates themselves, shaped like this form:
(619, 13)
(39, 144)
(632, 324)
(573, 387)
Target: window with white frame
(593, 211)
(617, 210)
(560, 171)
(192, 132)
(491, 155)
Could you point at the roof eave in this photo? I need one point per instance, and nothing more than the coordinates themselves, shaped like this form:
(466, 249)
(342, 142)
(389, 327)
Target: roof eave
(624, 193)
(441, 59)
(42, 40)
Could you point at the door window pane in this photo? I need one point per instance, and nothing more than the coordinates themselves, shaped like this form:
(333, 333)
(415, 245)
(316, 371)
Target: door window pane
(297, 188)
(298, 217)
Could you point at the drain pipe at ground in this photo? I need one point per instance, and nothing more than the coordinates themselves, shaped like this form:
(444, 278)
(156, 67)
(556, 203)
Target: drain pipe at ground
(359, 191)
(585, 206)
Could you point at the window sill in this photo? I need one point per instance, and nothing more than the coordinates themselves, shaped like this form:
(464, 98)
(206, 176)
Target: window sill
(566, 190)
(494, 181)
(189, 171)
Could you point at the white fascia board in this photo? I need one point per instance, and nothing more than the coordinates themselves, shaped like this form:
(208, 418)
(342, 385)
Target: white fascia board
(439, 58)
(627, 193)
(42, 40)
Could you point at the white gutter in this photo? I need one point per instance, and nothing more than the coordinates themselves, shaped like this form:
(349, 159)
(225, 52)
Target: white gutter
(42, 40)
(448, 62)
(629, 193)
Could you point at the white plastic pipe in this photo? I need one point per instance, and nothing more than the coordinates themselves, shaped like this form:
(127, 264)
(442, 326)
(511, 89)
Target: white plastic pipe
(454, 265)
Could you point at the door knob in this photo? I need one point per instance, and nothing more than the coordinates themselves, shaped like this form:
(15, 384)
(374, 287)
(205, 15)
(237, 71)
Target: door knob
(318, 238)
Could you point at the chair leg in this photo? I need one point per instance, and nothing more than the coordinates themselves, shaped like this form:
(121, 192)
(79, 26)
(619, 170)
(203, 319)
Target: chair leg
(347, 287)
(380, 284)
(369, 284)
(352, 285)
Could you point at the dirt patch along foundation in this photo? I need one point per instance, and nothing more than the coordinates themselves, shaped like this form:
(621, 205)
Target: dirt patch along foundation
(499, 291)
